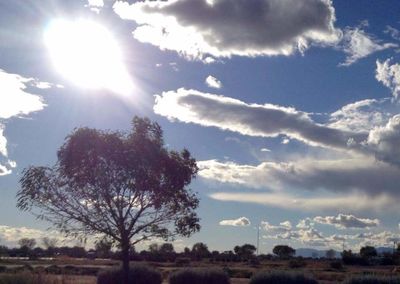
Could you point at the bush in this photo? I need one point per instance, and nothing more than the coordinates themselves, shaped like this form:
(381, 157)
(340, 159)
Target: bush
(22, 278)
(297, 263)
(373, 280)
(237, 273)
(337, 265)
(3, 268)
(199, 276)
(53, 269)
(182, 261)
(138, 274)
(281, 278)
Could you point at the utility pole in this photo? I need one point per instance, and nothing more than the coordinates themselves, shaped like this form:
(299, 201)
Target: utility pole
(258, 238)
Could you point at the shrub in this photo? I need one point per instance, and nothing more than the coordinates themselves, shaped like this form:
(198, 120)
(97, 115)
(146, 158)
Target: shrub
(138, 274)
(199, 276)
(337, 265)
(237, 273)
(373, 280)
(281, 278)
(22, 278)
(3, 268)
(297, 263)
(53, 269)
(182, 261)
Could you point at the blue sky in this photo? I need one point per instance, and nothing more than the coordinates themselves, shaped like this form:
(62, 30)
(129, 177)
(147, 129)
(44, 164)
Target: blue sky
(290, 107)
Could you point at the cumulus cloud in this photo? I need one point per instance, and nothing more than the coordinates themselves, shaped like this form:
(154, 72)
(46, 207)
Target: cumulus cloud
(240, 222)
(389, 75)
(357, 44)
(283, 227)
(344, 221)
(363, 175)
(250, 119)
(309, 236)
(16, 101)
(385, 141)
(213, 82)
(352, 202)
(10, 235)
(361, 116)
(381, 239)
(305, 224)
(222, 28)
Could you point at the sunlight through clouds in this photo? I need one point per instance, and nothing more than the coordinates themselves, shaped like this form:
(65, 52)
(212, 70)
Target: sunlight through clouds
(87, 54)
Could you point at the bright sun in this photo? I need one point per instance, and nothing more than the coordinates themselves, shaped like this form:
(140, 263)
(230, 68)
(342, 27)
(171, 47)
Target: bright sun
(86, 53)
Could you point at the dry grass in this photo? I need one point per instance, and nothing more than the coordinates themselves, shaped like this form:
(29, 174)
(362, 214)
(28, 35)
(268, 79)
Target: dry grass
(319, 269)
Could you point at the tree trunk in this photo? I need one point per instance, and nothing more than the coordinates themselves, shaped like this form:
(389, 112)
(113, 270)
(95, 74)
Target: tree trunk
(125, 246)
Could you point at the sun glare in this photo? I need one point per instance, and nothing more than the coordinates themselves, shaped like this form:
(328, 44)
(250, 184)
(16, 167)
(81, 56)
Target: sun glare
(86, 53)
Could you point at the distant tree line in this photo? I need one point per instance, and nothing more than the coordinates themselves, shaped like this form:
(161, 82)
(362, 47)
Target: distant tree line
(165, 252)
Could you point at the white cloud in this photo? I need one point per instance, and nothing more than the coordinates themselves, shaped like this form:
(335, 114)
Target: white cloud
(3, 141)
(363, 175)
(282, 228)
(349, 202)
(265, 150)
(196, 28)
(240, 222)
(96, 3)
(361, 116)
(10, 235)
(394, 33)
(305, 224)
(16, 101)
(385, 141)
(250, 119)
(4, 170)
(344, 221)
(389, 75)
(213, 82)
(357, 44)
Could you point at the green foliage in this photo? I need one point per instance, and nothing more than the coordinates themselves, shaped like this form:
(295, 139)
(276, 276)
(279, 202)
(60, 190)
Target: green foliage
(138, 274)
(199, 276)
(284, 251)
(281, 278)
(297, 263)
(182, 261)
(237, 273)
(373, 280)
(200, 250)
(337, 265)
(368, 252)
(245, 251)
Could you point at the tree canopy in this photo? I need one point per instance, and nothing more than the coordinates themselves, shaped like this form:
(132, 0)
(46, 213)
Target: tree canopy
(125, 186)
(284, 251)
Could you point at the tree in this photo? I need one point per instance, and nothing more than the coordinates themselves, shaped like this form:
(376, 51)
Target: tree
(26, 246)
(200, 251)
(49, 244)
(284, 251)
(28, 243)
(368, 252)
(167, 251)
(103, 248)
(245, 252)
(126, 186)
(330, 253)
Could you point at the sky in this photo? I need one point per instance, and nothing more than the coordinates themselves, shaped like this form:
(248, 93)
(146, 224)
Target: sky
(290, 107)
